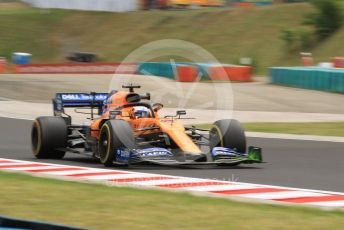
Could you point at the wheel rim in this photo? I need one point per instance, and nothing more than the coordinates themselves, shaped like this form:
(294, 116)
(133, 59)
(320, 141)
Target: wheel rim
(36, 138)
(214, 138)
(104, 145)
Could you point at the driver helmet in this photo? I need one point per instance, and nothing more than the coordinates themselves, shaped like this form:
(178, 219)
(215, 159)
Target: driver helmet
(141, 112)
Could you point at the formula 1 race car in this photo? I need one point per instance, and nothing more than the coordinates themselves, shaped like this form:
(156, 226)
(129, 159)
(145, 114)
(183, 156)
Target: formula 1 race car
(127, 129)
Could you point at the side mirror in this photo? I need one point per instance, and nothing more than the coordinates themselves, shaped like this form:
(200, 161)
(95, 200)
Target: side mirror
(114, 113)
(181, 113)
(157, 106)
(146, 97)
(178, 114)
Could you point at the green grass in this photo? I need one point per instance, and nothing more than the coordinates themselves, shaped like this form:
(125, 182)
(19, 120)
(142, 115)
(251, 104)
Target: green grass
(227, 33)
(316, 128)
(97, 206)
(30, 30)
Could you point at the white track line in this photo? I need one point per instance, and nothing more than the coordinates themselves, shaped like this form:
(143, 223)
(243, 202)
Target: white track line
(328, 203)
(78, 171)
(285, 136)
(281, 195)
(168, 181)
(31, 168)
(20, 163)
(114, 176)
(214, 188)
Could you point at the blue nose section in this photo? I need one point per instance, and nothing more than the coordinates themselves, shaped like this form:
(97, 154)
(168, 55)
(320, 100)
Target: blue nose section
(152, 153)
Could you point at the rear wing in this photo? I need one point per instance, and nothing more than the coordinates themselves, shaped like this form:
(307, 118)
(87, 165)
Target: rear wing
(78, 100)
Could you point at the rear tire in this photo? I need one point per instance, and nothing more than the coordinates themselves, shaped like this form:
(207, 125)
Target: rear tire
(229, 134)
(114, 135)
(47, 135)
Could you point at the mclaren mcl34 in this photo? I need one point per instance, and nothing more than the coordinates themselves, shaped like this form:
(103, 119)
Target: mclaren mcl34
(125, 128)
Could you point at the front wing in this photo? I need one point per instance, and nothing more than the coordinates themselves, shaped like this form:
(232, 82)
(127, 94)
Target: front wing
(254, 155)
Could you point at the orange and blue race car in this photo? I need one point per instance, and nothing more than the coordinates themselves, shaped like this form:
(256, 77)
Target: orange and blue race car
(125, 128)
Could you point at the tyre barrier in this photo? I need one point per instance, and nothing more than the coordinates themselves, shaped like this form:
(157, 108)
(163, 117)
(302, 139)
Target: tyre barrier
(162, 69)
(180, 71)
(216, 72)
(2, 65)
(244, 4)
(10, 223)
(76, 68)
(230, 73)
(338, 62)
(203, 69)
(208, 3)
(330, 80)
(186, 73)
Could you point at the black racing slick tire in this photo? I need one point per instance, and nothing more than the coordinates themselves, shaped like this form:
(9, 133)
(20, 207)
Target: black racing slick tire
(48, 135)
(227, 133)
(114, 135)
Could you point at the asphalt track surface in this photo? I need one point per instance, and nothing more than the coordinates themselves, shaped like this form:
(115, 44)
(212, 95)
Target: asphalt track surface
(292, 163)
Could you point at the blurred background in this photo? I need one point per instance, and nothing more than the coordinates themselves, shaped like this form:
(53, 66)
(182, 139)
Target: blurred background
(269, 33)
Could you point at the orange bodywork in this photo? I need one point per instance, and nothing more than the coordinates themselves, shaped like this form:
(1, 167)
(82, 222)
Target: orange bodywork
(170, 126)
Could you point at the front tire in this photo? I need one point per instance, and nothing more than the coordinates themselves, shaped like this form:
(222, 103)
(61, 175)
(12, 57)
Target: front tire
(115, 135)
(48, 134)
(228, 133)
